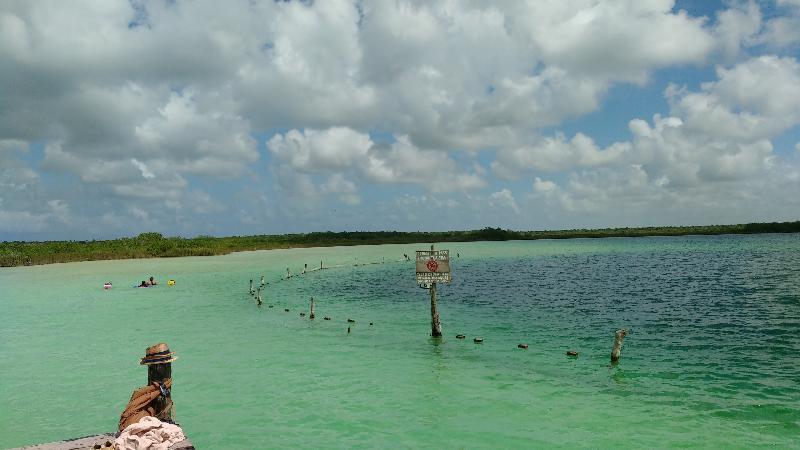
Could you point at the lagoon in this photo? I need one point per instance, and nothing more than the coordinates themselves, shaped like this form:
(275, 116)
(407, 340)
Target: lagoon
(712, 359)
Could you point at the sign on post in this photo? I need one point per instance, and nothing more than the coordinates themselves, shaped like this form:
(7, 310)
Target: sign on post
(433, 266)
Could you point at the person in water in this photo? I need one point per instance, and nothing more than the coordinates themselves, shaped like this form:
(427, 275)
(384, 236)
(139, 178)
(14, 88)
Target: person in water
(144, 284)
(152, 282)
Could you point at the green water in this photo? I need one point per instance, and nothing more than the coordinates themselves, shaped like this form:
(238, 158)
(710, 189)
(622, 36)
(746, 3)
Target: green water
(711, 361)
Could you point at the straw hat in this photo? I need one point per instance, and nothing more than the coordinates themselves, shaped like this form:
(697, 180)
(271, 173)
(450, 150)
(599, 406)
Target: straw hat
(158, 354)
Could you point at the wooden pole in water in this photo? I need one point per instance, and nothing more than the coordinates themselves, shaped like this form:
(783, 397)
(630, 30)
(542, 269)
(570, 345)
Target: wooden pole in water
(436, 325)
(262, 280)
(251, 287)
(161, 373)
(618, 337)
(311, 316)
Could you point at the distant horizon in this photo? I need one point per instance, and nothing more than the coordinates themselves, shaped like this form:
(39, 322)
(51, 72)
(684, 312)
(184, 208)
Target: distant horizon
(549, 230)
(274, 117)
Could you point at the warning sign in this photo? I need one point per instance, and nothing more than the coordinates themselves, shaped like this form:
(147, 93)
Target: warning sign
(433, 266)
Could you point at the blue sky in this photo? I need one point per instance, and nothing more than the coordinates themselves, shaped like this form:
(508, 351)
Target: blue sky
(120, 117)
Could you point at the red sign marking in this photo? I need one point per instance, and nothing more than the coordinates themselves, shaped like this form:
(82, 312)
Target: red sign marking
(432, 265)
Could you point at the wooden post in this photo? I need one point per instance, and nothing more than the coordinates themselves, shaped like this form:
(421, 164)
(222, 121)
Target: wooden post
(320, 265)
(436, 325)
(311, 316)
(251, 287)
(618, 337)
(160, 373)
(288, 274)
(262, 280)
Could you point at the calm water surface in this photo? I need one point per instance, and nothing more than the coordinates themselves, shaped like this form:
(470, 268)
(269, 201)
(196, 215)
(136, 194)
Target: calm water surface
(712, 360)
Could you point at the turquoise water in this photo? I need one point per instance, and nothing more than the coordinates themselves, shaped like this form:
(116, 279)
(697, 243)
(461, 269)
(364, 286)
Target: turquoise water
(711, 360)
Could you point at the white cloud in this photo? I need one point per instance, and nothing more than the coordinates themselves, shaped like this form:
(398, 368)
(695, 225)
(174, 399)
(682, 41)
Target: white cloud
(504, 199)
(671, 151)
(139, 213)
(143, 168)
(722, 132)
(338, 184)
(202, 203)
(737, 28)
(23, 221)
(296, 185)
(115, 67)
(556, 154)
(782, 32)
(344, 188)
(214, 142)
(23, 201)
(543, 186)
(712, 157)
(157, 103)
(9, 145)
(629, 196)
(755, 99)
(743, 27)
(336, 150)
(318, 151)
(616, 40)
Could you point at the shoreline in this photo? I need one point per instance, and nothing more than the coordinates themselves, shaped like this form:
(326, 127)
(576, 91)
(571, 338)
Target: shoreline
(154, 245)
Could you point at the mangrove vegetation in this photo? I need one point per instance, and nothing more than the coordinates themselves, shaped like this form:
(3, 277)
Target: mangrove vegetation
(154, 245)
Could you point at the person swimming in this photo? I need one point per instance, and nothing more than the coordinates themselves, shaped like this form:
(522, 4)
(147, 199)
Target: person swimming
(152, 282)
(144, 284)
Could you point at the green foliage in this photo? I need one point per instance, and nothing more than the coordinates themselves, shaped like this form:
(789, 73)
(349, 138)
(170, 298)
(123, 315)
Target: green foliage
(149, 237)
(151, 245)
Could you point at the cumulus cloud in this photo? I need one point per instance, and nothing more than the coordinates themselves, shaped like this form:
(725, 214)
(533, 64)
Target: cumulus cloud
(312, 150)
(755, 99)
(504, 199)
(721, 132)
(337, 150)
(142, 168)
(712, 157)
(628, 196)
(213, 142)
(737, 28)
(167, 104)
(743, 26)
(532, 65)
(589, 37)
(23, 201)
(556, 154)
(344, 188)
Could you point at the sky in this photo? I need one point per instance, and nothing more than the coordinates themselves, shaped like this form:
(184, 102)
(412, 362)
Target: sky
(258, 117)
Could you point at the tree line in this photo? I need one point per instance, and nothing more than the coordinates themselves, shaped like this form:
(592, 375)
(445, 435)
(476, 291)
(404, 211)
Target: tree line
(154, 245)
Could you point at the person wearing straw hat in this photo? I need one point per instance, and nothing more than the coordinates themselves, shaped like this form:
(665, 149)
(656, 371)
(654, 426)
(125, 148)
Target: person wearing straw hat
(155, 399)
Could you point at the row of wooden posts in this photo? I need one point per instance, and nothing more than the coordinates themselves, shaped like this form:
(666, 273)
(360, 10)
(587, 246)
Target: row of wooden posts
(436, 324)
(257, 294)
(436, 328)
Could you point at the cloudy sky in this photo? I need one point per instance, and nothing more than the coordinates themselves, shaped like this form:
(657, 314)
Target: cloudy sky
(250, 117)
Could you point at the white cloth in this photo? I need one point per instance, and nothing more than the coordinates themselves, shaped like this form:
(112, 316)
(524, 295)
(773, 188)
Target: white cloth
(149, 433)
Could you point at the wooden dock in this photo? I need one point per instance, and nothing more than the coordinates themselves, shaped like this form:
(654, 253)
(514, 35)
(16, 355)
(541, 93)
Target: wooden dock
(95, 442)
